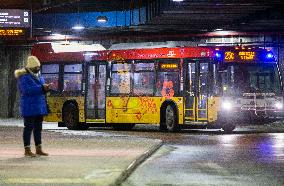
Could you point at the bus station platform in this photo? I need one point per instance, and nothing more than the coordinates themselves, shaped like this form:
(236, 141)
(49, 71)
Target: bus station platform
(72, 160)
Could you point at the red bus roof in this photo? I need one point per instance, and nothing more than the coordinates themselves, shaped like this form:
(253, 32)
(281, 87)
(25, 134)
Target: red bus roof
(156, 53)
(46, 52)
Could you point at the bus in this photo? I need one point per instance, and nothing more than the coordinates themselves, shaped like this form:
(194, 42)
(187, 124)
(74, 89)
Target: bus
(250, 85)
(173, 87)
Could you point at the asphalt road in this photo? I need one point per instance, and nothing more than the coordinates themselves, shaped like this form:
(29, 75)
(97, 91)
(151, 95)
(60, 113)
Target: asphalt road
(247, 157)
(252, 155)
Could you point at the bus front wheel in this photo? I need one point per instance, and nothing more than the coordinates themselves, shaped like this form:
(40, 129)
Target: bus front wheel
(228, 128)
(71, 116)
(169, 122)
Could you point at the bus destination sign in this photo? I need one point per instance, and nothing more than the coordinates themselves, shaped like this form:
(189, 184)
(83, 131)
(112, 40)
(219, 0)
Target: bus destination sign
(240, 56)
(169, 66)
(14, 18)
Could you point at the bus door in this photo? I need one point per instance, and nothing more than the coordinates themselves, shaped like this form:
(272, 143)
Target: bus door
(196, 90)
(96, 91)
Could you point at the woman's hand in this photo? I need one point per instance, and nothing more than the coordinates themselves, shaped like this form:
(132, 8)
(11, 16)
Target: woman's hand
(46, 87)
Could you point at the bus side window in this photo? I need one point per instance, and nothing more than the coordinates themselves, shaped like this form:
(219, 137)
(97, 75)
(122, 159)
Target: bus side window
(120, 78)
(144, 78)
(72, 77)
(167, 84)
(50, 73)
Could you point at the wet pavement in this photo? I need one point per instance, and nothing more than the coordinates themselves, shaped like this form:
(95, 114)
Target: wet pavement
(238, 159)
(74, 159)
(253, 155)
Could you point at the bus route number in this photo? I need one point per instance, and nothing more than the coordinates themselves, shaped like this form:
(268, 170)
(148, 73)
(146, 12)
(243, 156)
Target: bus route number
(229, 56)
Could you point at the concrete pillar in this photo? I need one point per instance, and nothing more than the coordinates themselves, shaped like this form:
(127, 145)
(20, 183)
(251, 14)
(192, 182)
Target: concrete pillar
(11, 58)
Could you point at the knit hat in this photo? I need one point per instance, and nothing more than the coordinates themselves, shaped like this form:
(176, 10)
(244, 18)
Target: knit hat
(32, 62)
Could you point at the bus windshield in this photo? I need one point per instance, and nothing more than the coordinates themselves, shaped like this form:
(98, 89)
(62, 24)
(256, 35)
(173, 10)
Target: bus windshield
(238, 78)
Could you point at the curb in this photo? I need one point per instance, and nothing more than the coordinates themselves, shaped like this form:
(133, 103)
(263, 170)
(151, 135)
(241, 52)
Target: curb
(126, 173)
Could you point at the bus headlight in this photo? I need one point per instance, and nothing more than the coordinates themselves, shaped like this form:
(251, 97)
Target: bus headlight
(279, 105)
(227, 105)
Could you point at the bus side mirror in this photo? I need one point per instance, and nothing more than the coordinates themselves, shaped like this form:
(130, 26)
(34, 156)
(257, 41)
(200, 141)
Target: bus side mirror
(83, 88)
(108, 84)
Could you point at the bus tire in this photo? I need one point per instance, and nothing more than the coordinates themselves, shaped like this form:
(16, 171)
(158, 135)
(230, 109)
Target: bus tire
(71, 116)
(228, 128)
(163, 127)
(170, 122)
(61, 124)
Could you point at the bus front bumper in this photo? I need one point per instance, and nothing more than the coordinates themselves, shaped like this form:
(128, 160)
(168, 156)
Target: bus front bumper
(244, 117)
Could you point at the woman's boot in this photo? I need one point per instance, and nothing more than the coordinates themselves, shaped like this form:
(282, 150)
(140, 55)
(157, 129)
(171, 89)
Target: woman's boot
(40, 152)
(28, 152)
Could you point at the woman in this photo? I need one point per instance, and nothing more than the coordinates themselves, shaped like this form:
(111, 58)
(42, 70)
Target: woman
(33, 105)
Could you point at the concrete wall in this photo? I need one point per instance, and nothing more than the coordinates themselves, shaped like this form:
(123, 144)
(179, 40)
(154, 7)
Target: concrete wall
(11, 58)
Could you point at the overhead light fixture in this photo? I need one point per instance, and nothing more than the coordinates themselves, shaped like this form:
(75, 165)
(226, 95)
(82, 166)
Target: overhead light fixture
(57, 36)
(224, 32)
(102, 19)
(177, 0)
(78, 27)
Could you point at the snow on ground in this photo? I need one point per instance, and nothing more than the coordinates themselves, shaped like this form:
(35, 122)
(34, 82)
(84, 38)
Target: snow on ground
(52, 126)
(19, 123)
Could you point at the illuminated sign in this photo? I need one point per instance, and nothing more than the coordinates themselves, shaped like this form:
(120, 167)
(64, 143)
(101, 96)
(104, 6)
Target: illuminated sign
(247, 55)
(12, 32)
(163, 66)
(229, 56)
(240, 56)
(14, 18)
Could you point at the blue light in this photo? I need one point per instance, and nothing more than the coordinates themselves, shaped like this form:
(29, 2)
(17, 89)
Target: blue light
(269, 56)
(218, 55)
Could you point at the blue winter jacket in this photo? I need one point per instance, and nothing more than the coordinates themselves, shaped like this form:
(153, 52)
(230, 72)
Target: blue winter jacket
(33, 100)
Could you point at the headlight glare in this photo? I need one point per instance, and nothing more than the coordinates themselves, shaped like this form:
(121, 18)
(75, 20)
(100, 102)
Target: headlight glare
(227, 105)
(279, 105)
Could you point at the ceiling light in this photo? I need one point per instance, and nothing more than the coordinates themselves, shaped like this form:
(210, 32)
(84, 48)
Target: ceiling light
(224, 32)
(57, 36)
(102, 19)
(177, 0)
(78, 27)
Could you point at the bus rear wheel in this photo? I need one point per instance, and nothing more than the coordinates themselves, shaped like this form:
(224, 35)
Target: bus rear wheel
(71, 116)
(169, 122)
(228, 128)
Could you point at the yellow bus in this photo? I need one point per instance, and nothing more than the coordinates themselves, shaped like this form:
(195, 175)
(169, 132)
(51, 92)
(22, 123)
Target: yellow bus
(174, 87)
